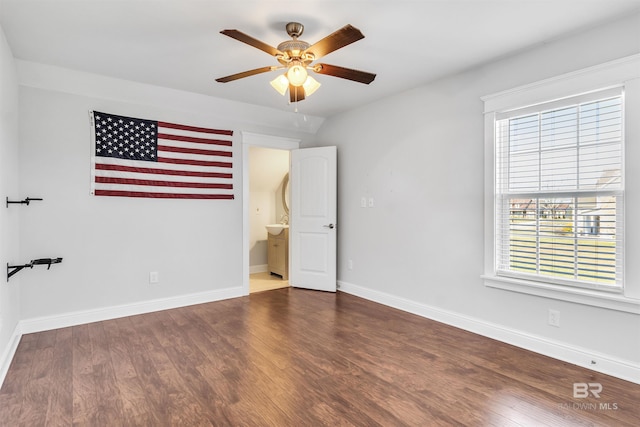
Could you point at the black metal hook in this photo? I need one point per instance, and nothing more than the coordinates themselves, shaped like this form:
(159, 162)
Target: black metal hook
(39, 261)
(22, 202)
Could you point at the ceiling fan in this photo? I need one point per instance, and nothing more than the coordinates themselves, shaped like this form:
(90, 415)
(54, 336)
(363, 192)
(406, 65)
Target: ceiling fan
(297, 56)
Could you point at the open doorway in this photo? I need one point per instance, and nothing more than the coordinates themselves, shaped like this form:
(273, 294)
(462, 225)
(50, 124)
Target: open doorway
(268, 219)
(266, 163)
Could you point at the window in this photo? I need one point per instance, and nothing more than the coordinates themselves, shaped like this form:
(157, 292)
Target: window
(560, 206)
(559, 191)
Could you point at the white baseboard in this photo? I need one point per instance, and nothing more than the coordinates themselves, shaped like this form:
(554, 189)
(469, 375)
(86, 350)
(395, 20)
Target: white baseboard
(9, 352)
(46, 323)
(603, 363)
(262, 268)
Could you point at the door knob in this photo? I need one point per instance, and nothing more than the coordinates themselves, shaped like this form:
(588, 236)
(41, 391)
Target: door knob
(331, 226)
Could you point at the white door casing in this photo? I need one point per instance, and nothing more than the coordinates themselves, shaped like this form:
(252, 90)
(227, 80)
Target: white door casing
(313, 216)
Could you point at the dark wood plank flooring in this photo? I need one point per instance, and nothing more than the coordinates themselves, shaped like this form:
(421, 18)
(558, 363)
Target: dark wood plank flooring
(293, 357)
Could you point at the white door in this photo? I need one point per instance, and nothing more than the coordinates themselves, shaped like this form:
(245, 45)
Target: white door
(313, 215)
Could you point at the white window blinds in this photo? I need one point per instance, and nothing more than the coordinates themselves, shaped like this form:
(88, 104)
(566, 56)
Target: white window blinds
(560, 191)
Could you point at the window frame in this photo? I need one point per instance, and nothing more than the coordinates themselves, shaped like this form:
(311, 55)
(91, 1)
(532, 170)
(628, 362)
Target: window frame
(624, 73)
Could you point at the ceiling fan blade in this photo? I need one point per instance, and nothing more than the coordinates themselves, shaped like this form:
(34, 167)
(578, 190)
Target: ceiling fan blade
(244, 74)
(296, 93)
(244, 38)
(345, 73)
(334, 41)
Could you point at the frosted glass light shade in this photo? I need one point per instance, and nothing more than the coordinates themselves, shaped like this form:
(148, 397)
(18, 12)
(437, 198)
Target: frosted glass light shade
(281, 84)
(310, 85)
(297, 75)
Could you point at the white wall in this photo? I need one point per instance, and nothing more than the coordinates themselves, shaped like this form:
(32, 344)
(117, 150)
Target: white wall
(110, 244)
(9, 218)
(419, 155)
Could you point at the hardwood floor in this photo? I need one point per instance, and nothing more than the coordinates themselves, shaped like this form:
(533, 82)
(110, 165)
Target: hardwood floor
(293, 357)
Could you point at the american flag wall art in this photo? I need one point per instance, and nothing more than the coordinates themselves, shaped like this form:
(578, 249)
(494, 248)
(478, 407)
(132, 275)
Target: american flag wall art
(147, 158)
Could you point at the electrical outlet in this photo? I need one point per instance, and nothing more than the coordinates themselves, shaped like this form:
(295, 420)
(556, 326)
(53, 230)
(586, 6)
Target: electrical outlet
(154, 277)
(371, 202)
(350, 264)
(363, 202)
(554, 318)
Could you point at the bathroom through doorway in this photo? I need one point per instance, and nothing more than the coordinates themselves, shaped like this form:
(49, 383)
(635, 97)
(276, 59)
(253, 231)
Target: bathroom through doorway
(268, 251)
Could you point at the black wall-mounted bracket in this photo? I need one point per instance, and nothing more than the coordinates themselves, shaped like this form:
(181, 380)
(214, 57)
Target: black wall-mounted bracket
(22, 202)
(13, 269)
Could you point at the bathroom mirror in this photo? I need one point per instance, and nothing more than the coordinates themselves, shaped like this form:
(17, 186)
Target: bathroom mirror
(285, 193)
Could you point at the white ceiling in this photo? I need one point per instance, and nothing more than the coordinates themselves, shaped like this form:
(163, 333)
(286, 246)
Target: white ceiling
(176, 43)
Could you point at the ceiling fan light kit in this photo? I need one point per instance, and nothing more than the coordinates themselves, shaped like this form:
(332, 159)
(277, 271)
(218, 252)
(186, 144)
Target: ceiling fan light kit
(296, 57)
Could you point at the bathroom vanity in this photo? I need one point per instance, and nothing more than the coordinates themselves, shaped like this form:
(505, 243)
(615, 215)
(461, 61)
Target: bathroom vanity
(278, 237)
(278, 253)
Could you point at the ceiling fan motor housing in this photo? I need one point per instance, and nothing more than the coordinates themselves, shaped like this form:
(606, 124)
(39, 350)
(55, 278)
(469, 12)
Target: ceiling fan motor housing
(294, 49)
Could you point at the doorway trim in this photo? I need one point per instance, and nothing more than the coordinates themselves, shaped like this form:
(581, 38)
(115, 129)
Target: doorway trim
(250, 139)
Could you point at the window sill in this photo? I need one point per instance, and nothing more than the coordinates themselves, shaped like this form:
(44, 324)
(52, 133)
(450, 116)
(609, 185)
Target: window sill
(581, 296)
